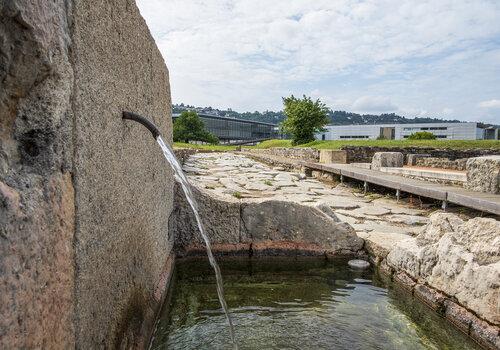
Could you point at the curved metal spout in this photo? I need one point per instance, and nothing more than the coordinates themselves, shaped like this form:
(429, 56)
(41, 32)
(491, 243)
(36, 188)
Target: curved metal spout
(140, 119)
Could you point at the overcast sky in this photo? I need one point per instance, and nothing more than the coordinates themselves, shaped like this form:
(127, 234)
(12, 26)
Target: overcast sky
(414, 58)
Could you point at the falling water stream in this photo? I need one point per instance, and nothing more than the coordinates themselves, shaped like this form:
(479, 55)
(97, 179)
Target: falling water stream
(186, 187)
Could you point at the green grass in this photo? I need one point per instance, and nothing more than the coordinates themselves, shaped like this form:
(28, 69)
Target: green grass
(273, 143)
(337, 144)
(204, 147)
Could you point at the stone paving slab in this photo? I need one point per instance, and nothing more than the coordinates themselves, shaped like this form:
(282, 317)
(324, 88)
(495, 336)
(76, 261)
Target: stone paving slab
(237, 177)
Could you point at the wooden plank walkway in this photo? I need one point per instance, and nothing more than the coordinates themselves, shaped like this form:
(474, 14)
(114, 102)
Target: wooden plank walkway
(448, 194)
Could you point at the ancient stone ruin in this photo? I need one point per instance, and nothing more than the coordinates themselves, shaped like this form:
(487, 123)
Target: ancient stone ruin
(91, 221)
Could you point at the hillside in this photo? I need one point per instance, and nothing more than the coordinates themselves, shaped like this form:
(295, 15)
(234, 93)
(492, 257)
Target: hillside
(336, 117)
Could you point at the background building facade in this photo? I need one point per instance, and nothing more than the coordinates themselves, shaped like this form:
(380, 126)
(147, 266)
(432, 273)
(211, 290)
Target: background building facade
(445, 131)
(234, 130)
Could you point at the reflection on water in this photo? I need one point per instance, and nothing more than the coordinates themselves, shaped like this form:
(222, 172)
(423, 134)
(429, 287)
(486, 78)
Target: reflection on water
(297, 304)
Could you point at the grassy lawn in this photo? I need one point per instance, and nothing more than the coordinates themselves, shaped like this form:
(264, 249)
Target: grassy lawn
(204, 147)
(337, 144)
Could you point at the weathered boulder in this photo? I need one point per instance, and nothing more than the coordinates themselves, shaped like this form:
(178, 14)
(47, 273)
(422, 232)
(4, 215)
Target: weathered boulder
(387, 159)
(483, 174)
(84, 201)
(439, 224)
(275, 221)
(461, 259)
(269, 225)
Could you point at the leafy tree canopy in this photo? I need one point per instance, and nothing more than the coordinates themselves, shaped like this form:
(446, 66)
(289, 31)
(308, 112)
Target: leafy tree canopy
(304, 118)
(189, 127)
(422, 135)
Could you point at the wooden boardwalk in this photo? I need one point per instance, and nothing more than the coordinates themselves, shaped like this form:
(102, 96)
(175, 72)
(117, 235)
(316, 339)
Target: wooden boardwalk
(448, 194)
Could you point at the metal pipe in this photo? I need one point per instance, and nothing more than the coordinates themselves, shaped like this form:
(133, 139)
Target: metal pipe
(141, 120)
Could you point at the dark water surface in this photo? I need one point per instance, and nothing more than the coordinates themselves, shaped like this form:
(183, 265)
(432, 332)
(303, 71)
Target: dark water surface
(297, 304)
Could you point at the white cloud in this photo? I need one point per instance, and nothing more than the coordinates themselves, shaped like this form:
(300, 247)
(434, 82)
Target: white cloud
(373, 104)
(246, 54)
(447, 111)
(489, 104)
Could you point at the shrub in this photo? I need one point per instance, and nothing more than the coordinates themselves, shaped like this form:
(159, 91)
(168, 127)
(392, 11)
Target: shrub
(422, 135)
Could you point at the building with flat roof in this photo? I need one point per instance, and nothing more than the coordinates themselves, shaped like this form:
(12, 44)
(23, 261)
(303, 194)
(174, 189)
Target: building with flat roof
(444, 131)
(237, 130)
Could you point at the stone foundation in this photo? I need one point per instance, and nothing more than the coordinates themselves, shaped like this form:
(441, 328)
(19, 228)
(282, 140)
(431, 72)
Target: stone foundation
(483, 174)
(364, 154)
(387, 159)
(301, 153)
(286, 164)
(485, 334)
(441, 163)
(332, 156)
(452, 266)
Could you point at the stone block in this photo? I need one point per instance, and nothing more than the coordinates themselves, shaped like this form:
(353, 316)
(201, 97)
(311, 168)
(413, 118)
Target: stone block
(386, 269)
(483, 174)
(430, 297)
(387, 159)
(284, 221)
(332, 156)
(457, 315)
(485, 334)
(411, 159)
(405, 281)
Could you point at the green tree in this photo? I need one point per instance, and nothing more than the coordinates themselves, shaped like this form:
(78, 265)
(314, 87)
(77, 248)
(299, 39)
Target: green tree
(189, 127)
(422, 135)
(304, 118)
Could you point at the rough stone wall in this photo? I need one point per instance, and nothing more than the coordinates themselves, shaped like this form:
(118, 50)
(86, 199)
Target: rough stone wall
(483, 174)
(84, 196)
(306, 154)
(458, 258)
(123, 184)
(36, 190)
(275, 161)
(364, 154)
(442, 163)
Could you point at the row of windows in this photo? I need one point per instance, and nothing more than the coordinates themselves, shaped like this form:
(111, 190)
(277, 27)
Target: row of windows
(237, 130)
(354, 137)
(437, 136)
(428, 128)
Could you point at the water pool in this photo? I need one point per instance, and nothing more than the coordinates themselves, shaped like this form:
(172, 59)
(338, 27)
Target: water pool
(297, 304)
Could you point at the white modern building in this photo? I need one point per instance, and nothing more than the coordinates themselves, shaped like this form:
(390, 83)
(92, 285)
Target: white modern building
(448, 131)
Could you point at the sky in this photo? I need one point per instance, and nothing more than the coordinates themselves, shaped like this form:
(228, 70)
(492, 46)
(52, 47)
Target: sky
(435, 58)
